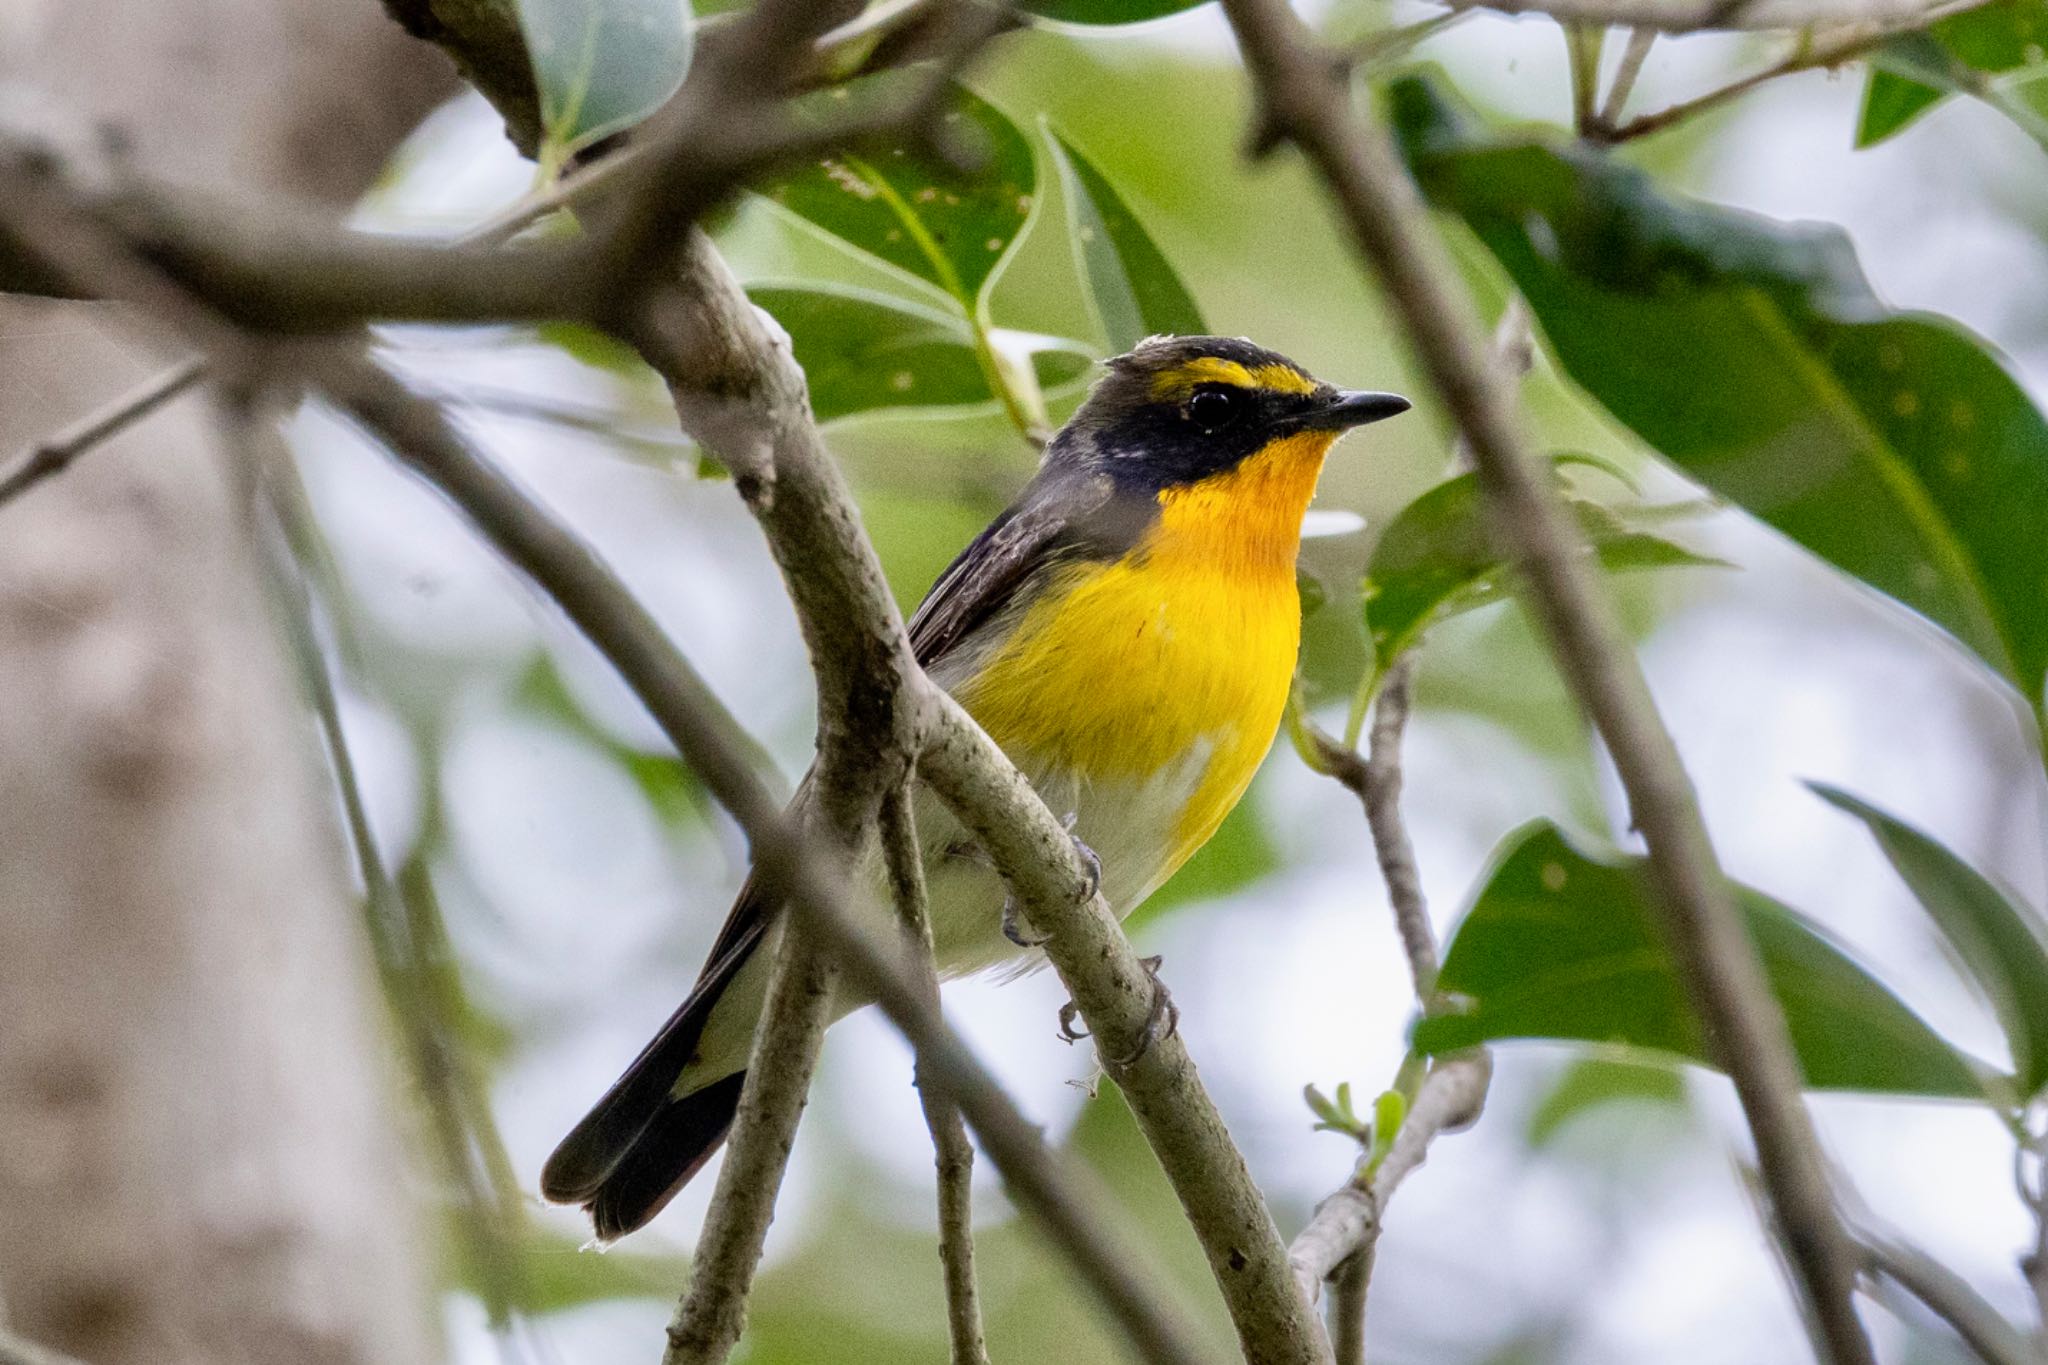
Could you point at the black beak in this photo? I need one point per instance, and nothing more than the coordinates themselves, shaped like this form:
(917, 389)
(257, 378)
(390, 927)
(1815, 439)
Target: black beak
(1348, 408)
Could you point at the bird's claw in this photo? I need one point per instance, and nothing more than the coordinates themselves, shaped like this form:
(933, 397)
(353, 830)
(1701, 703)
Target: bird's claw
(1091, 862)
(1160, 1024)
(1013, 914)
(1013, 924)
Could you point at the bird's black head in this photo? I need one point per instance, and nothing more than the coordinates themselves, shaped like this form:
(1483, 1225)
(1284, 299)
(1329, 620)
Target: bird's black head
(1177, 410)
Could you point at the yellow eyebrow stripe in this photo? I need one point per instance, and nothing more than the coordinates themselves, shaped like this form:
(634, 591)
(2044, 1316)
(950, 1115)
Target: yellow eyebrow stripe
(1180, 381)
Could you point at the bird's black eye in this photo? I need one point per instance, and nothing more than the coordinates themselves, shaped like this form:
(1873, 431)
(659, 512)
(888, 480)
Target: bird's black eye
(1213, 408)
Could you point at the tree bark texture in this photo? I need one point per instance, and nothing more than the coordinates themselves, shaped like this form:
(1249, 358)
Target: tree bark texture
(198, 1159)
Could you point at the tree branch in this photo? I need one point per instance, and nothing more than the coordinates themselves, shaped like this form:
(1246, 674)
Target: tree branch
(1381, 793)
(952, 1154)
(1340, 1241)
(1307, 101)
(1691, 16)
(1059, 1198)
(1949, 1297)
(713, 1313)
(1348, 1222)
(54, 454)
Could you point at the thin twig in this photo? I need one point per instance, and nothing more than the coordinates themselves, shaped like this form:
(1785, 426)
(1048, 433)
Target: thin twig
(1348, 1290)
(1805, 56)
(2033, 1193)
(1348, 1222)
(1582, 44)
(1305, 101)
(405, 931)
(1381, 794)
(1949, 1297)
(1640, 41)
(712, 1313)
(54, 454)
(1691, 16)
(952, 1153)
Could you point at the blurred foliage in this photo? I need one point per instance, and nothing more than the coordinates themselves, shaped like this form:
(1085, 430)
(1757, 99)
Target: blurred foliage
(1593, 1083)
(1438, 559)
(1132, 291)
(1961, 54)
(1558, 944)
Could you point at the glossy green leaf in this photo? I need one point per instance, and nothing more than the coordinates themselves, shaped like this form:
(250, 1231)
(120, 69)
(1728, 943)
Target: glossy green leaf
(861, 351)
(1593, 1083)
(1131, 289)
(1105, 11)
(603, 65)
(1560, 945)
(949, 227)
(1999, 941)
(1754, 355)
(1436, 559)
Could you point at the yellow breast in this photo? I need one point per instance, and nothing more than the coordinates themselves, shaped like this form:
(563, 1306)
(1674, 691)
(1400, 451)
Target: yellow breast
(1119, 670)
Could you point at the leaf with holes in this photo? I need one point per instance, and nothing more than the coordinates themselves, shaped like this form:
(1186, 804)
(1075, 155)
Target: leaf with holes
(861, 350)
(1436, 560)
(602, 65)
(1131, 289)
(1559, 945)
(1754, 355)
(1999, 941)
(949, 227)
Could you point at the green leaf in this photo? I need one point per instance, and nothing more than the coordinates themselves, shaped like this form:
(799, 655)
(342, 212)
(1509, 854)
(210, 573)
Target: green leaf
(1997, 938)
(1754, 355)
(950, 228)
(862, 350)
(1959, 55)
(1890, 102)
(1436, 559)
(1131, 289)
(1595, 1082)
(1105, 11)
(1560, 945)
(603, 65)
(1389, 1111)
(551, 1272)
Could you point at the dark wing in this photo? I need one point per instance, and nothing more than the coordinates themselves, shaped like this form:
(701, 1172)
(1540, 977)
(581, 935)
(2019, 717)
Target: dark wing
(1059, 514)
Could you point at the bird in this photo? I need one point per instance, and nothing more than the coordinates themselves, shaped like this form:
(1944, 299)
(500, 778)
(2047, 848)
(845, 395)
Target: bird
(1125, 631)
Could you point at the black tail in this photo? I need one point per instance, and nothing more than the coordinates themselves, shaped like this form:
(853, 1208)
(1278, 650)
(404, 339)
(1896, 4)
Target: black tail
(642, 1142)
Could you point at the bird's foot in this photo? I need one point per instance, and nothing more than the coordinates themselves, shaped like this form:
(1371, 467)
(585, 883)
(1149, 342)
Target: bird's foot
(1013, 914)
(1013, 924)
(1160, 1024)
(1091, 862)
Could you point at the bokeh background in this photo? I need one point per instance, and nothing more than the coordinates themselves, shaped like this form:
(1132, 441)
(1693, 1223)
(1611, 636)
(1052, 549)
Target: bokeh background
(1597, 1214)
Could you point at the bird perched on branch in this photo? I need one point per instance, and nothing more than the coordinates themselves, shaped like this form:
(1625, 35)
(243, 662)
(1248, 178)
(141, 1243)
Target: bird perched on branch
(1126, 631)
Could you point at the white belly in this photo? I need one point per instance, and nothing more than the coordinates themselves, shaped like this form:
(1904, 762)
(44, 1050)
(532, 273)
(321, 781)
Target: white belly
(1132, 826)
